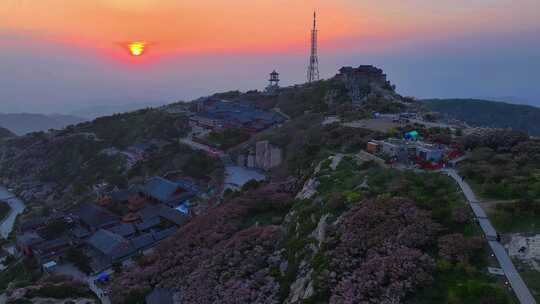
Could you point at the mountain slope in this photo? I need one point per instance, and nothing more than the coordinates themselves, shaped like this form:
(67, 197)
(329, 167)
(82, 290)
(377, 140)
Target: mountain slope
(489, 113)
(22, 123)
(327, 227)
(341, 245)
(5, 134)
(67, 164)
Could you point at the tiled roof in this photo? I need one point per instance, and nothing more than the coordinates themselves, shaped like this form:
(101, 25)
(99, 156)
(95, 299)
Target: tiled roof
(149, 211)
(236, 112)
(151, 214)
(110, 244)
(148, 223)
(56, 243)
(143, 241)
(163, 234)
(210, 115)
(187, 185)
(123, 229)
(173, 215)
(122, 195)
(80, 232)
(94, 215)
(161, 189)
(29, 238)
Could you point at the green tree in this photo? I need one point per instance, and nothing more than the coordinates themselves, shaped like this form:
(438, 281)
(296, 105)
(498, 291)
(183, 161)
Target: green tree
(117, 267)
(79, 259)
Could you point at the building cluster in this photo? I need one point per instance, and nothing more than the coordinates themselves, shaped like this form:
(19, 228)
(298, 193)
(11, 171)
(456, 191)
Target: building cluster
(137, 152)
(120, 225)
(265, 156)
(411, 150)
(396, 148)
(219, 114)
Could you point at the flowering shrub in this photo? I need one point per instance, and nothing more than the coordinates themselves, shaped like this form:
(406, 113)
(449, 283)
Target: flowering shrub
(458, 248)
(376, 254)
(212, 259)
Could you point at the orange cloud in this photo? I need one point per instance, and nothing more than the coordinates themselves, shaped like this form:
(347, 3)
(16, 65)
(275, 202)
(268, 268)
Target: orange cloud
(178, 26)
(217, 26)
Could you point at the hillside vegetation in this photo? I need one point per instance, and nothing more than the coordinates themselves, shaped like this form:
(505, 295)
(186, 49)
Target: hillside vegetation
(483, 113)
(330, 96)
(62, 167)
(505, 166)
(405, 238)
(326, 227)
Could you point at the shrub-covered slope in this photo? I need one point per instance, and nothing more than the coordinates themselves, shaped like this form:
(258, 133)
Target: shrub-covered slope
(399, 237)
(62, 167)
(226, 256)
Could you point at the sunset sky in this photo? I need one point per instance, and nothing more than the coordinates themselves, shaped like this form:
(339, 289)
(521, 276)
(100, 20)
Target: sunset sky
(61, 55)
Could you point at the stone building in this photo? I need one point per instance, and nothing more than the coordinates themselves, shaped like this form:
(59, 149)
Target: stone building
(266, 157)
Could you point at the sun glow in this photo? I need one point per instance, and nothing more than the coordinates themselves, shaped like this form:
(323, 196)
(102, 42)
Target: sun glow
(136, 48)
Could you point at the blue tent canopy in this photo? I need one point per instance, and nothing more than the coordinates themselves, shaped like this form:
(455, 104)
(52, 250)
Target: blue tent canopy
(103, 277)
(411, 135)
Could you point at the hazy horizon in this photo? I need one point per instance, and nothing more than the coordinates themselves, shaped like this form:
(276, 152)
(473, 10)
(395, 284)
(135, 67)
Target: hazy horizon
(73, 55)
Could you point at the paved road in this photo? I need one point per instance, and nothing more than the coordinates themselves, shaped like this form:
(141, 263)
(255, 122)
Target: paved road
(515, 280)
(102, 295)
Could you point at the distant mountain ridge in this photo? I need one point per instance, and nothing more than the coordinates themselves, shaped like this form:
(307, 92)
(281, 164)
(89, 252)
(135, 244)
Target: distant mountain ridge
(23, 123)
(106, 110)
(485, 113)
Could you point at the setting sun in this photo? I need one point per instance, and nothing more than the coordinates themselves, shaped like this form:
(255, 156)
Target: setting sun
(137, 48)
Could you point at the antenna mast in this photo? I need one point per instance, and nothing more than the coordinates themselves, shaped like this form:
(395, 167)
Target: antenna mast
(313, 69)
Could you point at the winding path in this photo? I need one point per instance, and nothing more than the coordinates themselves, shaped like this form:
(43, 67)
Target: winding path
(17, 207)
(515, 280)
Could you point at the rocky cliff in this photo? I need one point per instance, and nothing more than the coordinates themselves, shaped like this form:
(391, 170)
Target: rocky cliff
(366, 82)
